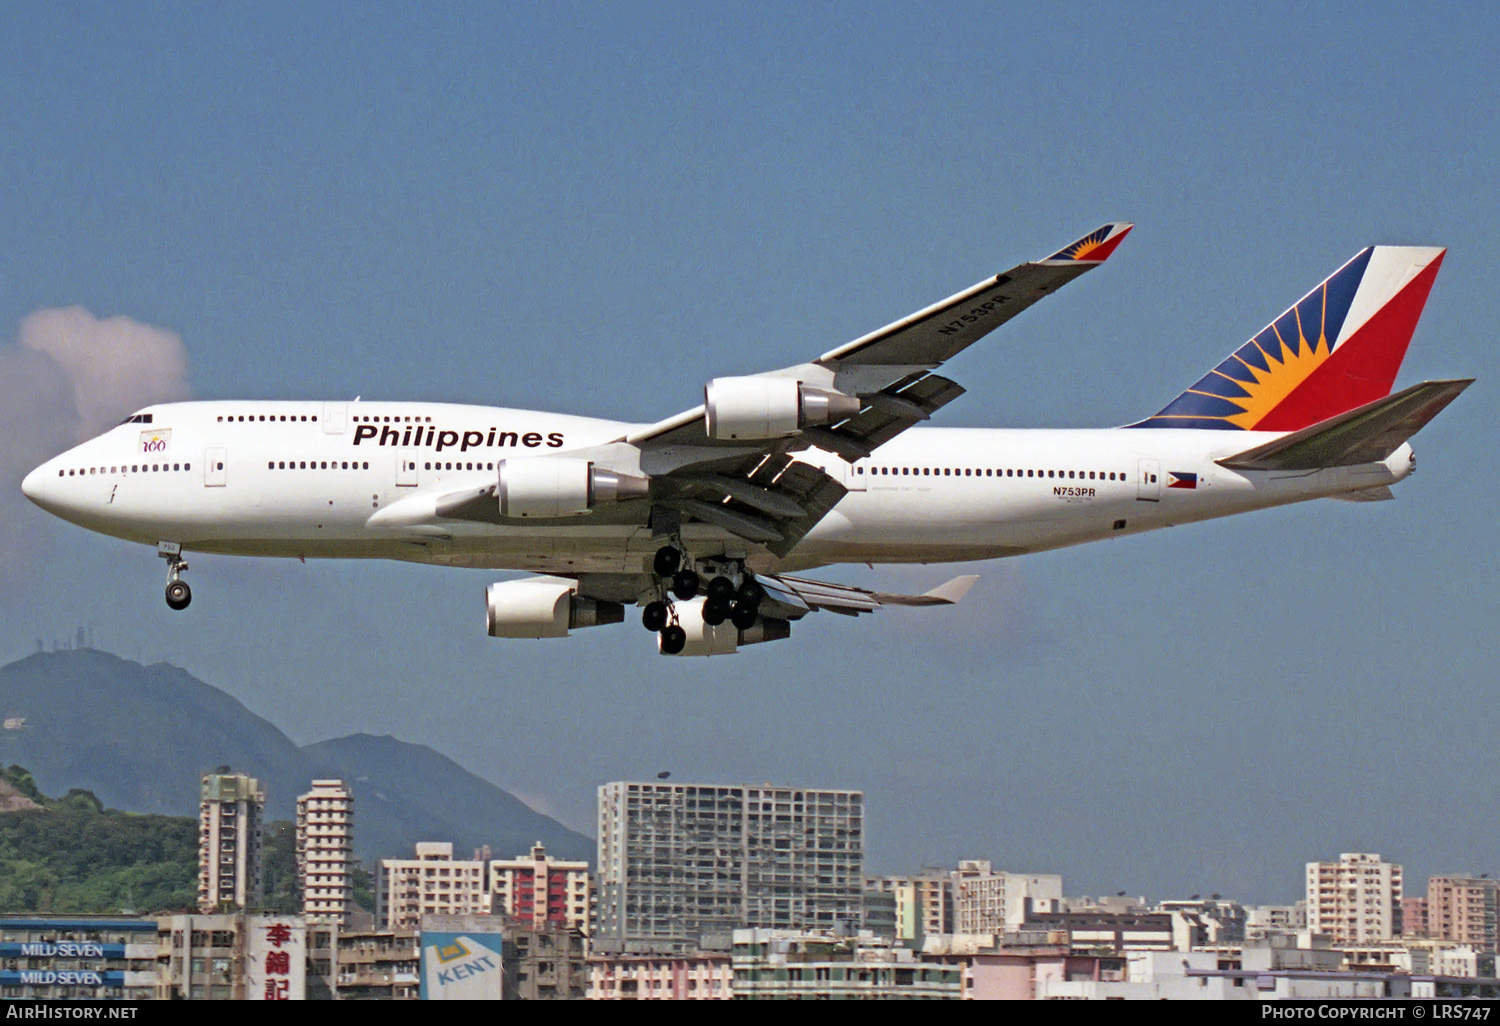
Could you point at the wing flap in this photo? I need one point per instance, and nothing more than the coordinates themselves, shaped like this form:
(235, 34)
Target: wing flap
(1366, 434)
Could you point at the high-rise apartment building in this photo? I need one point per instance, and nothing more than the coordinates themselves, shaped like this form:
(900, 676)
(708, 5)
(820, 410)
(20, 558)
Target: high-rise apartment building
(988, 901)
(1354, 900)
(230, 814)
(538, 888)
(325, 851)
(677, 861)
(1463, 909)
(923, 902)
(433, 883)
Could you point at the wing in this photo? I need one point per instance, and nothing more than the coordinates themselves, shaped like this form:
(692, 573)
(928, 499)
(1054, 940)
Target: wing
(751, 486)
(787, 597)
(794, 597)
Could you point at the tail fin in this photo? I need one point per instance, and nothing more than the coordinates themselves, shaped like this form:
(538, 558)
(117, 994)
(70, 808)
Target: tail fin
(1338, 348)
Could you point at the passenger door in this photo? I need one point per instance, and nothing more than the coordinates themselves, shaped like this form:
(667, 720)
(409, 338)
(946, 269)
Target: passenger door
(1148, 483)
(215, 464)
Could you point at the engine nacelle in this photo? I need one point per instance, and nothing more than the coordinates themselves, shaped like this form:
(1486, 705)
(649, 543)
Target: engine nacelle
(556, 486)
(757, 407)
(725, 639)
(543, 607)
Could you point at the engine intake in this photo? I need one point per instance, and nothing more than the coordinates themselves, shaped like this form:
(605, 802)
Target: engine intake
(553, 486)
(543, 607)
(757, 407)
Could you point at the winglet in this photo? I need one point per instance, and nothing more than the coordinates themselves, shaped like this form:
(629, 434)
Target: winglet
(953, 590)
(1095, 247)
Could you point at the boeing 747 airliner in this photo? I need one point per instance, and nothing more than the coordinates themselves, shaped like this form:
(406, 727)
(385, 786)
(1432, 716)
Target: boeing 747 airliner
(703, 518)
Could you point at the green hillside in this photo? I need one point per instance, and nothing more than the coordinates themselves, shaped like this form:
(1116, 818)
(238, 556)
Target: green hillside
(73, 855)
(141, 737)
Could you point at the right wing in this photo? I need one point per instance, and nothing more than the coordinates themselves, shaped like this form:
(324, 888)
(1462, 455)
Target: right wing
(753, 487)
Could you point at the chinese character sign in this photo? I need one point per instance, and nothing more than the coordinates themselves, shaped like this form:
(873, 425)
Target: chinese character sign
(277, 958)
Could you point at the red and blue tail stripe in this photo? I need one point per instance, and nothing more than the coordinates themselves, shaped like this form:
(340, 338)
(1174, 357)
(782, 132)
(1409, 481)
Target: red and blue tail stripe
(1337, 348)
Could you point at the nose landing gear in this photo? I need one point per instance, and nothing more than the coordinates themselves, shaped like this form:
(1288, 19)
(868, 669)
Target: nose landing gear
(178, 592)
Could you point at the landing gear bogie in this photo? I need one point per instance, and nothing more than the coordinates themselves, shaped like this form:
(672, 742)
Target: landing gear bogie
(685, 584)
(668, 561)
(673, 639)
(654, 616)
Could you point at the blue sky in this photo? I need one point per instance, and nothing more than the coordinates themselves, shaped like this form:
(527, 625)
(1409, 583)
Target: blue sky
(595, 209)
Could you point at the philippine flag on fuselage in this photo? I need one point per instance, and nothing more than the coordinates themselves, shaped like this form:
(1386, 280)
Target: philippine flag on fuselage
(1180, 480)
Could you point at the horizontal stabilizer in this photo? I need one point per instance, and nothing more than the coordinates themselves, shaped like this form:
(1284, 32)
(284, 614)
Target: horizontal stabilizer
(1366, 434)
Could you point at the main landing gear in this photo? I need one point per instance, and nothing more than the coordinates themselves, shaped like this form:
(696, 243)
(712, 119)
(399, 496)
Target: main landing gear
(731, 594)
(178, 592)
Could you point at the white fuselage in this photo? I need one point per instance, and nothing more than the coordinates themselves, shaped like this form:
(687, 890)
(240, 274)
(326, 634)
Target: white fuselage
(305, 479)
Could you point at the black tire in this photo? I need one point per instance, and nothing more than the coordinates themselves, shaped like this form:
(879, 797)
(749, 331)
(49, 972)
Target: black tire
(685, 584)
(667, 562)
(673, 640)
(750, 594)
(721, 589)
(744, 617)
(715, 612)
(178, 594)
(654, 616)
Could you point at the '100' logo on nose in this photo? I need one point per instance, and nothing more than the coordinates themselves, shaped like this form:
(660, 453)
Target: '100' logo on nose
(155, 441)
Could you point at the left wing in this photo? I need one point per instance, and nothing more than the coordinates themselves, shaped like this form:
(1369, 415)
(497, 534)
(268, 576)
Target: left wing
(793, 597)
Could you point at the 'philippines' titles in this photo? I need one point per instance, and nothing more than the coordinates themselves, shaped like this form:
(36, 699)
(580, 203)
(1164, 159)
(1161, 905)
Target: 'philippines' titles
(429, 435)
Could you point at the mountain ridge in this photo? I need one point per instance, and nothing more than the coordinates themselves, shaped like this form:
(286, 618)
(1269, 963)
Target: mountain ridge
(140, 737)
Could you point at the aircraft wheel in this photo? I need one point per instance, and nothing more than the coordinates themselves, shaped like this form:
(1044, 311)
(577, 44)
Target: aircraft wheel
(178, 594)
(721, 589)
(673, 639)
(744, 617)
(750, 594)
(685, 584)
(654, 617)
(667, 562)
(715, 612)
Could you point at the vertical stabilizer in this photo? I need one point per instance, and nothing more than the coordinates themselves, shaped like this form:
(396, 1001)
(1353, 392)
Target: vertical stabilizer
(1338, 348)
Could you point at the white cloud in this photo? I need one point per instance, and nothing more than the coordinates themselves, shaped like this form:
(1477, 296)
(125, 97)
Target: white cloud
(68, 376)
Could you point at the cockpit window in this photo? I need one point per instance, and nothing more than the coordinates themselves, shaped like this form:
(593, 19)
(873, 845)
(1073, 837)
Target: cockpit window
(139, 418)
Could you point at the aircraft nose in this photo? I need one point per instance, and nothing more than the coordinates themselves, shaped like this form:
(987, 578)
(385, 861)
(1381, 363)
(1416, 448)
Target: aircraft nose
(34, 486)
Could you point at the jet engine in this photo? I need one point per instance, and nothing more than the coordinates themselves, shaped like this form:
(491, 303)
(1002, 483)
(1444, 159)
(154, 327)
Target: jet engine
(543, 607)
(555, 486)
(757, 407)
(706, 640)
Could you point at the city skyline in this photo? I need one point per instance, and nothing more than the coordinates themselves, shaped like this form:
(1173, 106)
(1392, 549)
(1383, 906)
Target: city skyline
(311, 205)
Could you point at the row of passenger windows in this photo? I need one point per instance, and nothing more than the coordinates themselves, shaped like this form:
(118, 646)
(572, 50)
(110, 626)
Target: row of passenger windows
(134, 468)
(356, 465)
(1088, 475)
(241, 418)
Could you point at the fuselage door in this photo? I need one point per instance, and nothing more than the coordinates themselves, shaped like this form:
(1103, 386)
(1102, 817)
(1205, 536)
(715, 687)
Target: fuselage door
(406, 472)
(855, 475)
(335, 418)
(1148, 484)
(215, 462)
